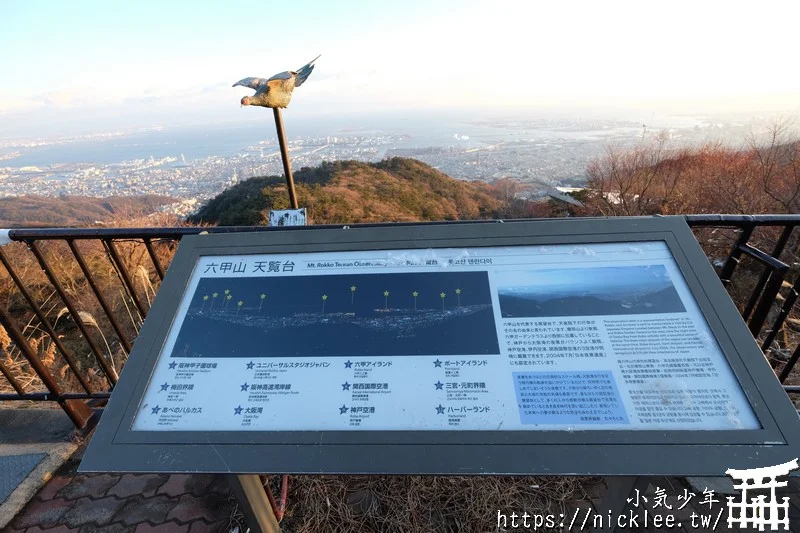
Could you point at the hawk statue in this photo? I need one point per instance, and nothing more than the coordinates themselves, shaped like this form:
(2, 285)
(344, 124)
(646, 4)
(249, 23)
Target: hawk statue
(276, 91)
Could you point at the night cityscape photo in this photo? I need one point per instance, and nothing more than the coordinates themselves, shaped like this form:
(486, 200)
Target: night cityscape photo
(430, 313)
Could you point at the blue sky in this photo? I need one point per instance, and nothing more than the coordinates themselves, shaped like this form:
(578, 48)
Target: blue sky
(176, 60)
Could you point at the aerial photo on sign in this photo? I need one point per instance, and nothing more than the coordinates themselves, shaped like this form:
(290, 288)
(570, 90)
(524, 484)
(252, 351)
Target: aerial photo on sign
(611, 290)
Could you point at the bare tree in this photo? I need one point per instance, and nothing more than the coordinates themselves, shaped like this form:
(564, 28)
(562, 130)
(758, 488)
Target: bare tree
(638, 181)
(776, 158)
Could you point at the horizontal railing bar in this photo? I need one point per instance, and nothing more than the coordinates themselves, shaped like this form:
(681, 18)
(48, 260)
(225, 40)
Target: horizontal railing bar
(27, 234)
(764, 257)
(15, 397)
(175, 233)
(758, 220)
(40, 396)
(792, 389)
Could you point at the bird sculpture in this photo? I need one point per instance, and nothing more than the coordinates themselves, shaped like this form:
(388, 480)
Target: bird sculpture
(275, 92)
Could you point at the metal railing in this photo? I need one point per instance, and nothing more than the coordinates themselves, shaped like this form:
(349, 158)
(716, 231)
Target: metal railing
(74, 299)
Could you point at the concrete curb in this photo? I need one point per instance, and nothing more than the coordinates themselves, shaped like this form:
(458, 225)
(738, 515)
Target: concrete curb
(56, 455)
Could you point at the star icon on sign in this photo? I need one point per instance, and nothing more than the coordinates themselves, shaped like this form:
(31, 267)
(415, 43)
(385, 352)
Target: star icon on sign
(342, 409)
(440, 410)
(172, 365)
(437, 363)
(345, 386)
(438, 385)
(155, 410)
(250, 365)
(348, 364)
(244, 387)
(164, 386)
(237, 410)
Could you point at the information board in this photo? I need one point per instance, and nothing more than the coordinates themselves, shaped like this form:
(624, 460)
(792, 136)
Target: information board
(498, 338)
(482, 335)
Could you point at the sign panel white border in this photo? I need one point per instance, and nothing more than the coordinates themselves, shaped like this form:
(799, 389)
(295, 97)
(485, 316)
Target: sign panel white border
(602, 336)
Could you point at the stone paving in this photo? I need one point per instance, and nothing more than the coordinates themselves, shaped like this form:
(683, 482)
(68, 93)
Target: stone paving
(105, 503)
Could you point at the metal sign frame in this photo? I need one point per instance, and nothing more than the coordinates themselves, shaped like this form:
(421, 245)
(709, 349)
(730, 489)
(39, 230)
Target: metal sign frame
(114, 447)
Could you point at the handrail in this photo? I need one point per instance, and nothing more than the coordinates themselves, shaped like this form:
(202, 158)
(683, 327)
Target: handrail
(28, 234)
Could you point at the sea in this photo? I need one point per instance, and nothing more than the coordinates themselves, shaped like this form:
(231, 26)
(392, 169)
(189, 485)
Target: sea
(226, 140)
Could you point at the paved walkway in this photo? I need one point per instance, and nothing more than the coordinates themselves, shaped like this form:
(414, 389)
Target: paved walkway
(34, 443)
(128, 503)
(104, 503)
(72, 502)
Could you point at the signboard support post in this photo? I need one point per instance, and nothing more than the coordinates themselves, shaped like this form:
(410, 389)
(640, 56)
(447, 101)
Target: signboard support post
(615, 503)
(253, 503)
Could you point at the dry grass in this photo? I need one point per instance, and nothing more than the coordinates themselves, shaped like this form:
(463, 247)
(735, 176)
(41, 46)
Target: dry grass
(417, 504)
(145, 284)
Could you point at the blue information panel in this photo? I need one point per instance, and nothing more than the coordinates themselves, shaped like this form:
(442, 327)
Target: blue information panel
(569, 397)
(593, 337)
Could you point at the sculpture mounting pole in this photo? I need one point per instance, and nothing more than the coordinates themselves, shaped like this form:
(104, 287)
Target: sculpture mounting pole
(287, 167)
(275, 93)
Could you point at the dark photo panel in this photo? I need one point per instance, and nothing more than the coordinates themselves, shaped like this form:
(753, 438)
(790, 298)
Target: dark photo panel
(438, 313)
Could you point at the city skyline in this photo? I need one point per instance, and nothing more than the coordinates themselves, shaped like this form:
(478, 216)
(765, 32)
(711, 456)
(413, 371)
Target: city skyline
(87, 65)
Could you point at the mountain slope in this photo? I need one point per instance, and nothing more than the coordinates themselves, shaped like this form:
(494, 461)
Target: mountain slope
(396, 190)
(21, 211)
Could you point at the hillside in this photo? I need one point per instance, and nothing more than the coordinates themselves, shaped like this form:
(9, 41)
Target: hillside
(20, 211)
(656, 177)
(396, 189)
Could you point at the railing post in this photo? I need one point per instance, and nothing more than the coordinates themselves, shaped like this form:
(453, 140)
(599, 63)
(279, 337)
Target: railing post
(726, 273)
(786, 308)
(78, 411)
(119, 266)
(23, 289)
(10, 377)
(767, 300)
(110, 373)
(789, 366)
(99, 295)
(762, 280)
(153, 257)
